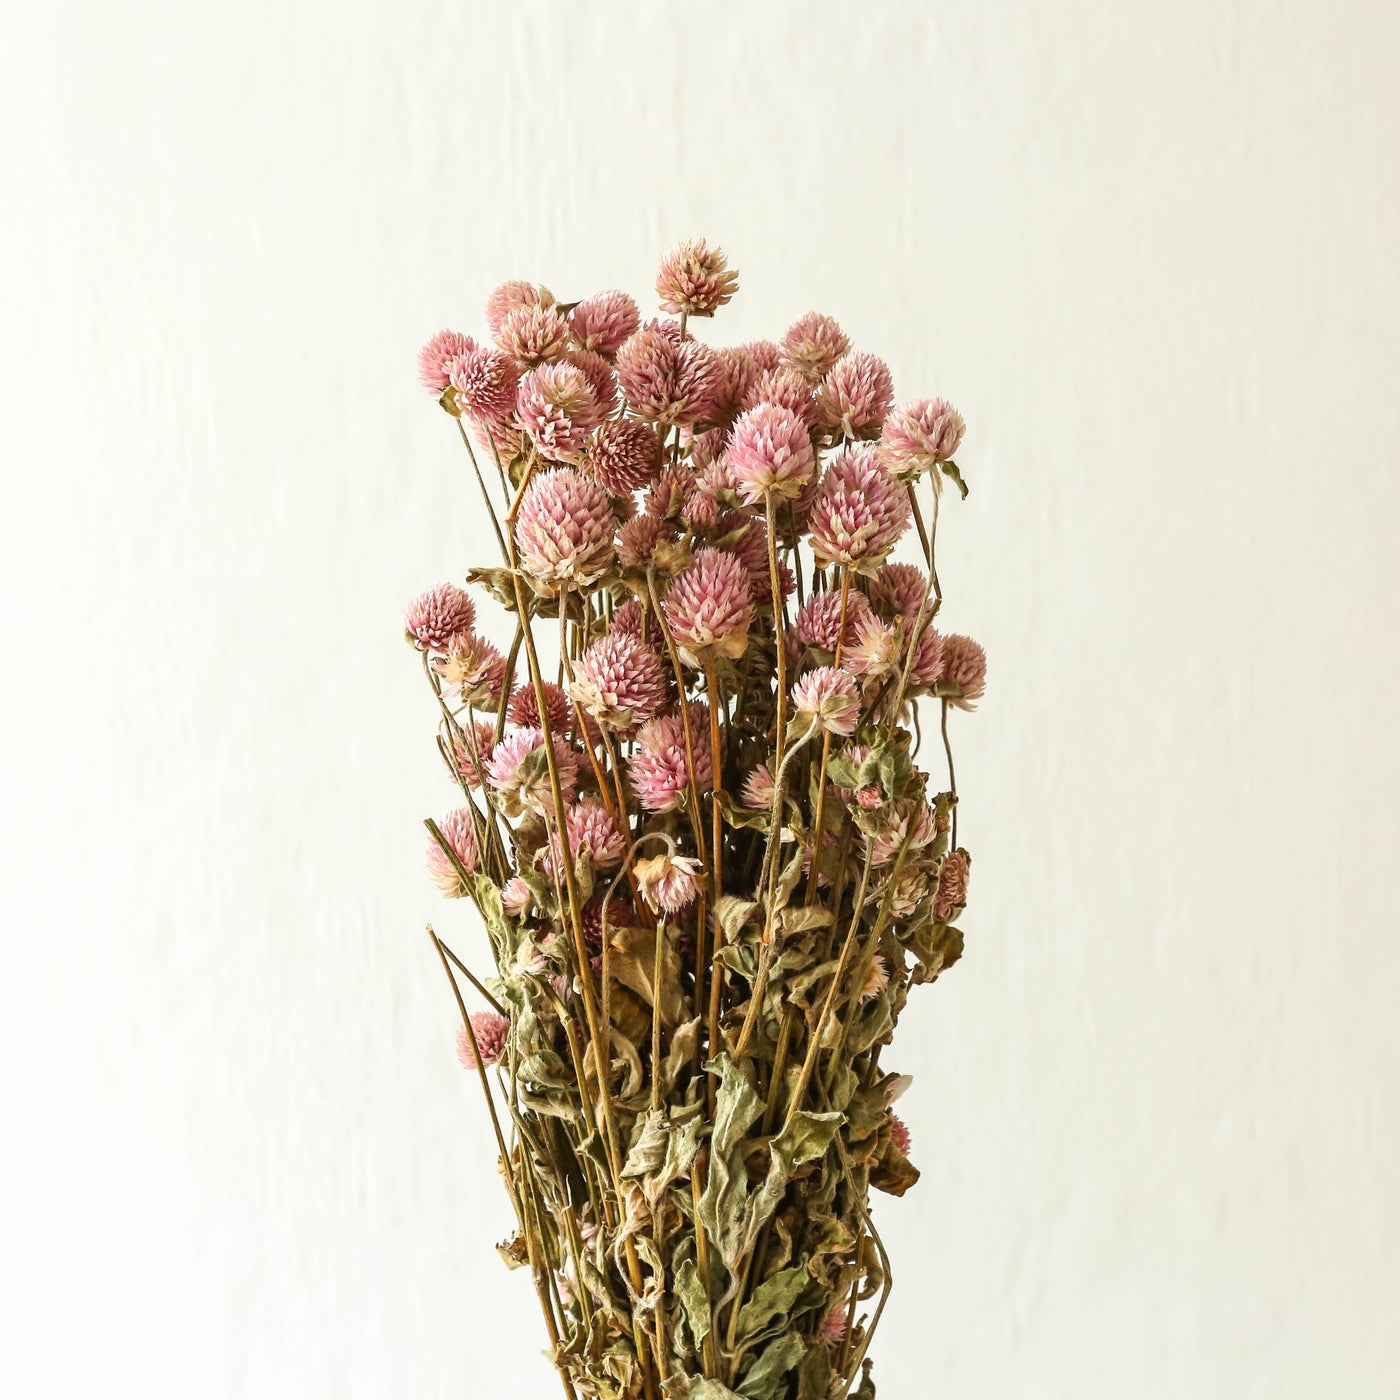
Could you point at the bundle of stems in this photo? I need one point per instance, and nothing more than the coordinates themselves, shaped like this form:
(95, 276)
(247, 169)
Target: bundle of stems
(693, 822)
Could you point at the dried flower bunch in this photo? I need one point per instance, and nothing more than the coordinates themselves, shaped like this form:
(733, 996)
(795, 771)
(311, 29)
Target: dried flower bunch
(694, 822)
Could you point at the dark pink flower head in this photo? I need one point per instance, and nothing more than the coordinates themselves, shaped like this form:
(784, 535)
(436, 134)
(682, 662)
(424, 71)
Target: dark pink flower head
(860, 511)
(855, 395)
(818, 623)
(964, 666)
(829, 699)
(556, 408)
(534, 335)
(592, 833)
(484, 384)
(620, 681)
(599, 374)
(437, 354)
(601, 322)
(473, 670)
(770, 451)
(766, 354)
(667, 493)
(899, 590)
(659, 769)
(467, 747)
(525, 708)
(919, 436)
(638, 539)
(565, 528)
(491, 1030)
(628, 619)
(709, 605)
(623, 456)
(701, 509)
(669, 381)
(787, 389)
(695, 278)
(899, 1134)
(519, 771)
(438, 616)
(812, 344)
(757, 791)
(928, 664)
(952, 885)
(456, 828)
(667, 882)
(619, 916)
(513, 296)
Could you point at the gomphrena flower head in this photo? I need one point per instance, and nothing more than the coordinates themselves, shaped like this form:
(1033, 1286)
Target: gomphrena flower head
(484, 383)
(964, 666)
(695, 279)
(658, 768)
(787, 389)
(818, 622)
(757, 791)
(437, 617)
(435, 357)
(525, 708)
(835, 1325)
(556, 408)
(601, 322)
(740, 375)
(899, 1134)
(491, 1031)
(620, 681)
(877, 978)
(746, 537)
(909, 819)
(860, 511)
(629, 621)
(456, 828)
(920, 436)
(666, 495)
(512, 296)
(519, 770)
(899, 590)
(669, 883)
(952, 885)
(766, 354)
(929, 661)
(469, 745)
(829, 699)
(812, 345)
(623, 456)
(534, 335)
(508, 442)
(592, 834)
(619, 916)
(855, 395)
(667, 380)
(639, 539)
(770, 451)
(599, 374)
(472, 669)
(709, 606)
(565, 528)
(516, 896)
(875, 650)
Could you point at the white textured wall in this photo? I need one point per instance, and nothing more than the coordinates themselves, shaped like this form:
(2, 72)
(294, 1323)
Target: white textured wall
(1150, 251)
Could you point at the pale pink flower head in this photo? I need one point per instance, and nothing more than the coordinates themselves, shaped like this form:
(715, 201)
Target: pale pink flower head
(659, 769)
(435, 357)
(456, 828)
(437, 617)
(899, 1134)
(899, 590)
(701, 509)
(758, 789)
(512, 296)
(472, 669)
(828, 698)
(639, 538)
(813, 344)
(467, 747)
(556, 408)
(620, 681)
(565, 528)
(628, 619)
(877, 978)
(912, 819)
(818, 622)
(623, 456)
(964, 666)
(834, 1326)
(592, 833)
(709, 606)
(667, 493)
(491, 1030)
(766, 354)
(508, 442)
(746, 537)
(667, 380)
(534, 335)
(906, 894)
(484, 383)
(952, 885)
(601, 322)
(516, 897)
(740, 374)
(920, 436)
(599, 374)
(875, 649)
(695, 278)
(787, 389)
(770, 451)
(860, 511)
(668, 883)
(855, 395)
(525, 708)
(928, 664)
(519, 771)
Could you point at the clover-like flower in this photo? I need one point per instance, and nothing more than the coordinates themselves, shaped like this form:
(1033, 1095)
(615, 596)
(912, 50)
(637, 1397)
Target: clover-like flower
(695, 278)
(770, 451)
(620, 681)
(437, 617)
(592, 833)
(875, 649)
(668, 882)
(829, 699)
(467, 748)
(491, 1030)
(525, 708)
(513, 296)
(435, 357)
(786, 388)
(757, 791)
(565, 528)
(601, 322)
(639, 539)
(556, 408)
(952, 885)
(667, 380)
(516, 896)
(709, 606)
(472, 669)
(534, 335)
(920, 436)
(812, 344)
(928, 665)
(859, 513)
(623, 456)
(818, 622)
(599, 374)
(659, 769)
(910, 818)
(899, 590)
(964, 666)
(456, 828)
(484, 384)
(855, 395)
(899, 1134)
(519, 771)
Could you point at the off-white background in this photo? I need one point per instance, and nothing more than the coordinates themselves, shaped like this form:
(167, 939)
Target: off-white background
(1151, 253)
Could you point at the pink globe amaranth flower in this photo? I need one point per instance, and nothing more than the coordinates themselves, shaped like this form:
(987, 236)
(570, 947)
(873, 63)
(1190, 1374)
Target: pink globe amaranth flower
(709, 606)
(928, 664)
(491, 1030)
(521, 775)
(860, 512)
(534, 335)
(770, 450)
(875, 650)
(525, 708)
(855, 395)
(757, 791)
(513, 296)
(818, 623)
(565, 528)
(623, 456)
(484, 383)
(601, 322)
(766, 354)
(812, 345)
(701, 509)
(658, 768)
(829, 698)
(907, 892)
(911, 818)
(592, 833)
(472, 669)
(964, 666)
(919, 436)
(899, 590)
(555, 407)
(695, 278)
(639, 538)
(508, 442)
(630, 620)
(667, 380)
(952, 885)
(516, 896)
(599, 374)
(667, 882)
(877, 978)
(871, 797)
(619, 916)
(437, 617)
(746, 537)
(620, 681)
(834, 1326)
(463, 765)
(456, 828)
(899, 1134)
(787, 389)
(435, 357)
(665, 497)
(740, 375)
